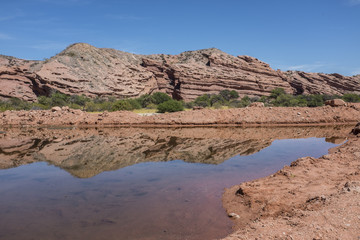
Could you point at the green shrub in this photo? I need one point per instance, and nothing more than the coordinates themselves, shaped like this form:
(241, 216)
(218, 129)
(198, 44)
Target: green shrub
(245, 101)
(160, 97)
(277, 92)
(59, 99)
(216, 99)
(351, 97)
(228, 95)
(217, 105)
(188, 104)
(234, 104)
(79, 100)
(170, 106)
(122, 105)
(144, 100)
(203, 101)
(314, 100)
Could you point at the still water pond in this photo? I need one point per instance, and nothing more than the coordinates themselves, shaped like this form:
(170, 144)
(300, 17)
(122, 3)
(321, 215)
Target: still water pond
(132, 183)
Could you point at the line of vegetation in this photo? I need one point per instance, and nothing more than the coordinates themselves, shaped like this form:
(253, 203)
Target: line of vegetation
(161, 102)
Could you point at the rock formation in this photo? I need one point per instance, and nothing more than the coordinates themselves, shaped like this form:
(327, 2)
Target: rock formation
(84, 69)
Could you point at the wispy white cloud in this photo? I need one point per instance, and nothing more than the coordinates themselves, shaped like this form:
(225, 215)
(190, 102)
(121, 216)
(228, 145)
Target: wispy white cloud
(4, 36)
(307, 67)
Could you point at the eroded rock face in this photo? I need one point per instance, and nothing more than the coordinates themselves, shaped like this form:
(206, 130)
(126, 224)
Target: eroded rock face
(18, 79)
(84, 69)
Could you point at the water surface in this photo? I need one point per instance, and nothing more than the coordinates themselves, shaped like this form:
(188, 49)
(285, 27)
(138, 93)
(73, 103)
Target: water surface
(137, 183)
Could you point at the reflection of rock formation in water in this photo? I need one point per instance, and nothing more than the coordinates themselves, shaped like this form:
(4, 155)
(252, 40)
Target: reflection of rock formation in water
(15, 152)
(88, 152)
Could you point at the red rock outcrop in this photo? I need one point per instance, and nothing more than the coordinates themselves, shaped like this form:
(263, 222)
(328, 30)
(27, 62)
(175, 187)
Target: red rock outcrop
(18, 79)
(84, 69)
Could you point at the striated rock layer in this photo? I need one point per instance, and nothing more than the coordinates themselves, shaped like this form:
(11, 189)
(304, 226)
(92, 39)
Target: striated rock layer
(84, 69)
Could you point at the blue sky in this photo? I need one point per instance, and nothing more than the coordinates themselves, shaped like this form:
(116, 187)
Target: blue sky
(308, 35)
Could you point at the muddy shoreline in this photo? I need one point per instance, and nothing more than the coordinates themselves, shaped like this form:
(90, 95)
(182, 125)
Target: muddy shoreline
(313, 198)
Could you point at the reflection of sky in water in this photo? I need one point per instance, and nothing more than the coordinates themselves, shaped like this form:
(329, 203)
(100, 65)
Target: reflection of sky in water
(162, 200)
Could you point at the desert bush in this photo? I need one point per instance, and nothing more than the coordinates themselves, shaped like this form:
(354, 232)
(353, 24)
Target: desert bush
(170, 106)
(216, 99)
(159, 97)
(203, 101)
(144, 100)
(277, 92)
(80, 100)
(228, 95)
(59, 99)
(351, 97)
(122, 105)
(217, 105)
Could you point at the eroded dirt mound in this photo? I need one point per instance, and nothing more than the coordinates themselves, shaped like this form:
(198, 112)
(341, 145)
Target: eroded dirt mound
(310, 199)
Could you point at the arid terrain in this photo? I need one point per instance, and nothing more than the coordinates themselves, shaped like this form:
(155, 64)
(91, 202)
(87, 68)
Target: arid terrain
(204, 117)
(85, 69)
(310, 199)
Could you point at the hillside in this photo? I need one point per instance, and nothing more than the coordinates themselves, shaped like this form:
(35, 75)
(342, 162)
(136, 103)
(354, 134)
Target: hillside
(85, 69)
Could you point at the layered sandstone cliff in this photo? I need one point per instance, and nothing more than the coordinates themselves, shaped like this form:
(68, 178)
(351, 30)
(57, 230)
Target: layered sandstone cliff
(84, 69)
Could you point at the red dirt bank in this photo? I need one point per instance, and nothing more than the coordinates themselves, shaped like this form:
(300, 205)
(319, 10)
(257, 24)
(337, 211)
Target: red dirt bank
(205, 117)
(310, 199)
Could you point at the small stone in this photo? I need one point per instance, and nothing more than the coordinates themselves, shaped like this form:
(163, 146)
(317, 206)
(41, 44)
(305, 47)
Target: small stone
(335, 103)
(233, 215)
(55, 109)
(257, 104)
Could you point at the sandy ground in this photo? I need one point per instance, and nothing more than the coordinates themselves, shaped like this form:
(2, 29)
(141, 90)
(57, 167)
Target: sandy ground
(310, 199)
